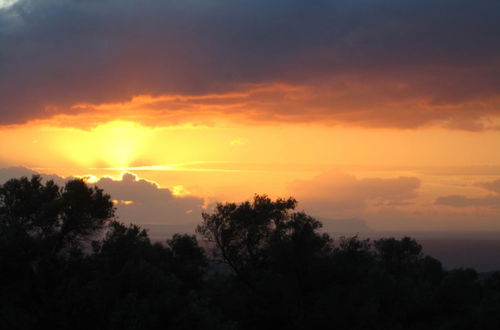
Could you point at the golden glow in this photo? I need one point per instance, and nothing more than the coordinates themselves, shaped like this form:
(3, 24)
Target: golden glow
(122, 202)
(123, 145)
(180, 190)
(228, 162)
(89, 178)
(115, 144)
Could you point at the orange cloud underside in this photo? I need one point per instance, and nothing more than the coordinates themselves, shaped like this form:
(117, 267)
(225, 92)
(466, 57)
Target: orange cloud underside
(389, 105)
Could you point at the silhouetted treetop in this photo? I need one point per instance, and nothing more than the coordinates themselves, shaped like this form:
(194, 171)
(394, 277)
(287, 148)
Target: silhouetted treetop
(244, 234)
(57, 218)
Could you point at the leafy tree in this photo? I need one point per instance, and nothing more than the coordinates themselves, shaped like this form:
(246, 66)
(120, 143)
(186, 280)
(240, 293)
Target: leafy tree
(50, 219)
(273, 250)
(42, 224)
(188, 260)
(247, 236)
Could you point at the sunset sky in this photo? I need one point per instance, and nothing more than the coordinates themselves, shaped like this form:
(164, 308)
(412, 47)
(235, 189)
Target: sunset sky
(386, 111)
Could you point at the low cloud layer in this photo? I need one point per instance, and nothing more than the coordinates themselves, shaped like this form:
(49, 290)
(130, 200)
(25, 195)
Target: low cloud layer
(338, 194)
(19, 171)
(382, 63)
(138, 201)
(143, 202)
(493, 186)
(345, 203)
(489, 201)
(464, 201)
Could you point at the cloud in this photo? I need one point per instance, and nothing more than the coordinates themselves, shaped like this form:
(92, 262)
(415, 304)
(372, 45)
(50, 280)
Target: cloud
(464, 201)
(19, 171)
(461, 201)
(14, 172)
(338, 194)
(383, 63)
(138, 201)
(493, 186)
(143, 202)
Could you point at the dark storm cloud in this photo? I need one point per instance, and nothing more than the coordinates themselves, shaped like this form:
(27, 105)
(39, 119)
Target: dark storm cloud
(383, 63)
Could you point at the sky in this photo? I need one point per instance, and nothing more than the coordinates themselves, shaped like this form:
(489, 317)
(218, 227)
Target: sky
(380, 111)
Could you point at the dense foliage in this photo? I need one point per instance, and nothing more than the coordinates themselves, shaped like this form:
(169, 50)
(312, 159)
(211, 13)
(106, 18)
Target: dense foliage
(66, 263)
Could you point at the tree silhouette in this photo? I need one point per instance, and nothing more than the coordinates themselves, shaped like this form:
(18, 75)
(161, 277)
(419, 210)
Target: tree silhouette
(66, 263)
(41, 225)
(247, 236)
(52, 218)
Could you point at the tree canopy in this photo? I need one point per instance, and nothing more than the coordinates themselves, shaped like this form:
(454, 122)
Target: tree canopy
(67, 263)
(57, 218)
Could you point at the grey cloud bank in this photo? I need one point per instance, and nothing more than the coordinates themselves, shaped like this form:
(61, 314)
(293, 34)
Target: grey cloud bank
(387, 63)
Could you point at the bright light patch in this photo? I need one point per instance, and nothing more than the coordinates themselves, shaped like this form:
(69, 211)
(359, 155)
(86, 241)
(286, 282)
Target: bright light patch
(180, 190)
(115, 144)
(122, 202)
(7, 3)
(89, 178)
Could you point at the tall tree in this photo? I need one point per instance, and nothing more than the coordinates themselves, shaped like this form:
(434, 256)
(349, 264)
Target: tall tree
(42, 218)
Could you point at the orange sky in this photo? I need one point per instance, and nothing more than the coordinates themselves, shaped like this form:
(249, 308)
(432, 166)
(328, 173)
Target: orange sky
(328, 168)
(385, 111)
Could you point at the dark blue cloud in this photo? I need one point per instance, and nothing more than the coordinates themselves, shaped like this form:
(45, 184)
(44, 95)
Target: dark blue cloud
(54, 53)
